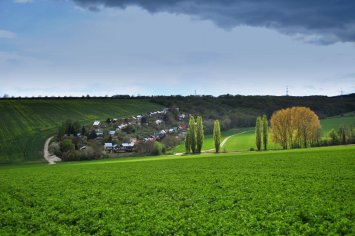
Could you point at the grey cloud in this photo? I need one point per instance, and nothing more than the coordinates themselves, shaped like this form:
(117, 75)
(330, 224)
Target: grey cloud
(315, 21)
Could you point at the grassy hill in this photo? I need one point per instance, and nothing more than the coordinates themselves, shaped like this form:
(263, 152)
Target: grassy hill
(25, 124)
(242, 139)
(305, 191)
(246, 140)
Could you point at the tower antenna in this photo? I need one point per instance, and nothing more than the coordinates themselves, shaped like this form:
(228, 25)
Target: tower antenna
(286, 90)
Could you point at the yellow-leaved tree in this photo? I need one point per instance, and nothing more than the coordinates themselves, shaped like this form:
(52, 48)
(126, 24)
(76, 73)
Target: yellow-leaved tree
(295, 127)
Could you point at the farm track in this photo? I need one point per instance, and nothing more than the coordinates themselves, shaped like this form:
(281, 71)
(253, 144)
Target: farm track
(50, 158)
(227, 138)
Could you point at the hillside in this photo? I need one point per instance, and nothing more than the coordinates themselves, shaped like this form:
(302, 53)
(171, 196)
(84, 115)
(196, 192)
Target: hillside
(306, 191)
(26, 123)
(240, 111)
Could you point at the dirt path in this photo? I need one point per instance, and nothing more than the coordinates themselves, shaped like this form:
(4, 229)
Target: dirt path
(227, 138)
(50, 158)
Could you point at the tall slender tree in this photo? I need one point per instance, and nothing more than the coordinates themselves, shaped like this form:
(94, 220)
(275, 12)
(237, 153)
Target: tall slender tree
(199, 134)
(192, 134)
(258, 130)
(187, 142)
(217, 135)
(265, 131)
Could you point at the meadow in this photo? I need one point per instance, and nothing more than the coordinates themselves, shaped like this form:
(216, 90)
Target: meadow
(305, 191)
(26, 124)
(243, 139)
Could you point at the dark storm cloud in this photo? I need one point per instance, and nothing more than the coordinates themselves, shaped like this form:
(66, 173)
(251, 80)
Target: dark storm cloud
(319, 21)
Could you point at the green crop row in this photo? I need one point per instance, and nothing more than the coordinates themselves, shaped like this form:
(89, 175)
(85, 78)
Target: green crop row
(306, 191)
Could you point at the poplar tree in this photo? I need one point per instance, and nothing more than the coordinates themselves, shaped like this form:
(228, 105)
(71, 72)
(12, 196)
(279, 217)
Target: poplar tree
(265, 131)
(192, 134)
(217, 135)
(187, 141)
(199, 134)
(258, 129)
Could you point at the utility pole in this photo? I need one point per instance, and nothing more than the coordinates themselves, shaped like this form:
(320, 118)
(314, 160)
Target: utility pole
(286, 90)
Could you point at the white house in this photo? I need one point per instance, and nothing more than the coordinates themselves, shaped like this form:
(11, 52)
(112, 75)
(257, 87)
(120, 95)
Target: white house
(128, 147)
(108, 146)
(96, 123)
(112, 132)
(99, 132)
(158, 122)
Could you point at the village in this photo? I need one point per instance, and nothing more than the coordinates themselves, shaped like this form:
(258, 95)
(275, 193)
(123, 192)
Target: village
(123, 135)
(127, 136)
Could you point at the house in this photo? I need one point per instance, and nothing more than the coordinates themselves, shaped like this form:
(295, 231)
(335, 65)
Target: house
(127, 147)
(182, 117)
(158, 122)
(99, 133)
(121, 126)
(108, 146)
(96, 123)
(183, 127)
(173, 130)
(112, 133)
(162, 132)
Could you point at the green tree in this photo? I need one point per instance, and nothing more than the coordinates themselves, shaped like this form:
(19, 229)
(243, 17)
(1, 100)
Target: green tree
(83, 130)
(258, 130)
(67, 145)
(76, 128)
(199, 134)
(334, 137)
(265, 131)
(192, 134)
(187, 141)
(217, 135)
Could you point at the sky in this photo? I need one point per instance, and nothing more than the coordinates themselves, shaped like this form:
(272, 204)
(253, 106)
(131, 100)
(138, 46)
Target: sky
(138, 47)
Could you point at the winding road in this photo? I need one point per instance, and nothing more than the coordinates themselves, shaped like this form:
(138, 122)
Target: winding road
(225, 140)
(52, 159)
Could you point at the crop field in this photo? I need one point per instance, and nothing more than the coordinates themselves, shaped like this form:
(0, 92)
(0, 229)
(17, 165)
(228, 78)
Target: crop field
(306, 191)
(25, 124)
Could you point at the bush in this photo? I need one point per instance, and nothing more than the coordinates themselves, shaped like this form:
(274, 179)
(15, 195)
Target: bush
(158, 149)
(144, 147)
(71, 155)
(67, 145)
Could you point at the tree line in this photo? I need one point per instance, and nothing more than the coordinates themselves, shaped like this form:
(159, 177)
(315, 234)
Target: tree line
(195, 135)
(293, 127)
(261, 132)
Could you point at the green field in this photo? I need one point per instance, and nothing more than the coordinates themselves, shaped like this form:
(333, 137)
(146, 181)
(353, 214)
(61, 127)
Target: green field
(305, 191)
(25, 124)
(245, 141)
(208, 143)
(337, 121)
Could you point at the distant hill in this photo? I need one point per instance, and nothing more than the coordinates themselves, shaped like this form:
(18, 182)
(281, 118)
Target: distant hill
(26, 123)
(241, 111)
